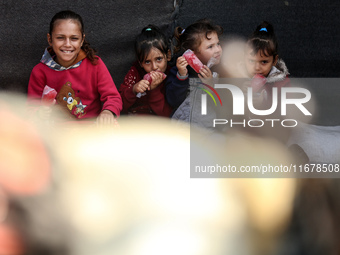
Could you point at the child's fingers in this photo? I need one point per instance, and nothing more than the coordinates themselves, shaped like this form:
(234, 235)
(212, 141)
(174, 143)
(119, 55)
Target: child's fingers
(141, 86)
(156, 75)
(205, 72)
(181, 61)
(157, 78)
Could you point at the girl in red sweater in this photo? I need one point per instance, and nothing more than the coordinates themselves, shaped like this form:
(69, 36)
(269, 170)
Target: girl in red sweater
(83, 85)
(143, 88)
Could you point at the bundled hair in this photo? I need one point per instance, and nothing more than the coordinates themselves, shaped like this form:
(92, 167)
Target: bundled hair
(150, 37)
(191, 37)
(263, 40)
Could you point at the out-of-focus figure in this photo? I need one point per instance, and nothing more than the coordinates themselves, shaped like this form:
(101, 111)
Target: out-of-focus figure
(91, 196)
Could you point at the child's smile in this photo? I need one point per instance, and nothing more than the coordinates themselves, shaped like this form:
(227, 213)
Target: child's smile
(66, 41)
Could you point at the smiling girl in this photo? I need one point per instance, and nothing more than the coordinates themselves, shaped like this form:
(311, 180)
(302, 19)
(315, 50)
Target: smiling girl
(84, 86)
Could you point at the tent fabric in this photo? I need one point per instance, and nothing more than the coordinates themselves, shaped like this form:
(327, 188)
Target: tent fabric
(307, 31)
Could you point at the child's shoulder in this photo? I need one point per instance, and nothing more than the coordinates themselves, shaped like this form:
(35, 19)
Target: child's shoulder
(281, 65)
(40, 67)
(279, 72)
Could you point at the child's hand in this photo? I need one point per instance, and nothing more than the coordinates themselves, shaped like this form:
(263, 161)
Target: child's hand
(181, 65)
(205, 75)
(157, 78)
(44, 112)
(141, 86)
(106, 117)
(258, 98)
(205, 72)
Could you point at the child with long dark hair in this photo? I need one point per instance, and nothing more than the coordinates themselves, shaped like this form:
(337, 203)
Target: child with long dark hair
(262, 59)
(143, 89)
(82, 82)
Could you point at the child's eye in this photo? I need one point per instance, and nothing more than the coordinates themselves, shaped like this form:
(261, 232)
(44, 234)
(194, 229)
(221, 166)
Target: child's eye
(159, 59)
(74, 39)
(264, 62)
(147, 62)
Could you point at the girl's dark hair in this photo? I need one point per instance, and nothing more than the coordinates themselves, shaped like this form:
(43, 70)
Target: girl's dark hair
(65, 15)
(263, 39)
(191, 37)
(150, 37)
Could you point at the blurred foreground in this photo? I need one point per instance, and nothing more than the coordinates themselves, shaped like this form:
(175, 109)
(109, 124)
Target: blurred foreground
(82, 190)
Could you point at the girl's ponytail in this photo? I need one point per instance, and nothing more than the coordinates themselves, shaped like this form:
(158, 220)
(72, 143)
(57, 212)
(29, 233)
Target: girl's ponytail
(150, 37)
(264, 39)
(177, 36)
(90, 52)
(265, 29)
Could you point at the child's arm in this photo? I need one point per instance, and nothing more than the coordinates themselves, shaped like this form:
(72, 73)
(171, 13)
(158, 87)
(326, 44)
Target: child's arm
(106, 117)
(157, 102)
(109, 94)
(205, 73)
(36, 85)
(126, 89)
(177, 83)
(157, 78)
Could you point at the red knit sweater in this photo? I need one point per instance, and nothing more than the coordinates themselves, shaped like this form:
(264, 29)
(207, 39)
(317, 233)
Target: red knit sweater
(90, 86)
(153, 103)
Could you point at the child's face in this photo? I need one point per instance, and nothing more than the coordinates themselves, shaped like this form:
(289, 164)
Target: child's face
(66, 41)
(258, 63)
(209, 48)
(155, 61)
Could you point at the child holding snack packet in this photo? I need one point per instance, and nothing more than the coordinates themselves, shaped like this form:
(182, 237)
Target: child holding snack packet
(201, 44)
(262, 62)
(267, 71)
(143, 88)
(70, 70)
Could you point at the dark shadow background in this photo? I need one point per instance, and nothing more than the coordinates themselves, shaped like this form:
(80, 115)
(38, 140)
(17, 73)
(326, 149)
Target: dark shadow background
(307, 30)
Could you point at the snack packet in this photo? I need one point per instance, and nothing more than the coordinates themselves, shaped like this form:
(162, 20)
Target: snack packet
(48, 96)
(257, 82)
(149, 79)
(212, 61)
(193, 60)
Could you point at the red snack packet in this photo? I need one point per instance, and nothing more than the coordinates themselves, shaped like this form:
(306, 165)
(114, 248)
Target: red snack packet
(48, 96)
(193, 60)
(257, 82)
(149, 78)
